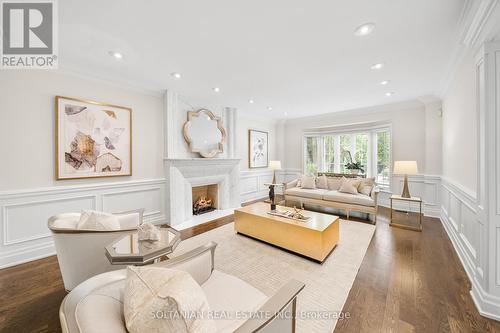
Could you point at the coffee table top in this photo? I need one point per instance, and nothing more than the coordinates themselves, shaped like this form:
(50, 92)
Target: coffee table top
(130, 250)
(318, 221)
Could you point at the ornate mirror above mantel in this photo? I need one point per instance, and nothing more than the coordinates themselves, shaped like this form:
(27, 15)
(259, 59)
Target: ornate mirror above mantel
(204, 133)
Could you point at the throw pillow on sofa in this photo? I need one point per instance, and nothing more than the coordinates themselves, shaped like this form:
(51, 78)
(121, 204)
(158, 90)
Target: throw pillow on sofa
(308, 182)
(334, 183)
(158, 299)
(366, 186)
(322, 182)
(100, 221)
(349, 186)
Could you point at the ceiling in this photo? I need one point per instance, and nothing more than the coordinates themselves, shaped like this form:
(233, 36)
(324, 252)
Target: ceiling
(299, 57)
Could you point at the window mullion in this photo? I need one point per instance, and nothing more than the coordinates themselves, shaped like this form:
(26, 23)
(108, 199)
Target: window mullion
(337, 154)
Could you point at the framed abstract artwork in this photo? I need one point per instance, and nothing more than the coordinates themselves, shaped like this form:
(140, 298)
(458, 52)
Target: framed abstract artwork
(257, 149)
(92, 139)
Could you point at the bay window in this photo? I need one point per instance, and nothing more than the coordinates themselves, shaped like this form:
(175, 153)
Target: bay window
(331, 152)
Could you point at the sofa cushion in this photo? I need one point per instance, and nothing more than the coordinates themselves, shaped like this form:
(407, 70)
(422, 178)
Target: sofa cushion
(167, 295)
(308, 182)
(355, 199)
(366, 185)
(316, 193)
(349, 186)
(228, 294)
(334, 183)
(322, 182)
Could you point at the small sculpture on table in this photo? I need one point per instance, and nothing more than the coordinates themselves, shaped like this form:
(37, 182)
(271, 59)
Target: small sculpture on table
(271, 197)
(297, 214)
(148, 232)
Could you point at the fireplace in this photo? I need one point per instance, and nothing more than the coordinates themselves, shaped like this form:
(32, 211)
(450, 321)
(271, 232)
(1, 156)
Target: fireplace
(205, 198)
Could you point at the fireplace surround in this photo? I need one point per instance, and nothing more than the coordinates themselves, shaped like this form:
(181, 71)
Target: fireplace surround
(184, 174)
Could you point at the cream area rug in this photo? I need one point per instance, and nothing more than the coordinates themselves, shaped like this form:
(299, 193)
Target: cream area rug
(267, 268)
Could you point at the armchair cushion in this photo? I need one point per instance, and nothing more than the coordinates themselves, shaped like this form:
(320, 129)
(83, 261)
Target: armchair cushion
(164, 292)
(94, 220)
(228, 293)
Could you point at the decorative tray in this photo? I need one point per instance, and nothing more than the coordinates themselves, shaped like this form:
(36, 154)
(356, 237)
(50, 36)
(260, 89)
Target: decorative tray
(293, 215)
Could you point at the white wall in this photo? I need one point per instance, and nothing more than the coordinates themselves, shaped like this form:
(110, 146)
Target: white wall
(29, 193)
(27, 125)
(408, 130)
(460, 127)
(246, 122)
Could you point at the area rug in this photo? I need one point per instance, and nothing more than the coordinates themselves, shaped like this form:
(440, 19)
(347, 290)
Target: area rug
(268, 268)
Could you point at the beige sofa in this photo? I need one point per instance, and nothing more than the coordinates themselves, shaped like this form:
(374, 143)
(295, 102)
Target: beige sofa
(96, 305)
(330, 198)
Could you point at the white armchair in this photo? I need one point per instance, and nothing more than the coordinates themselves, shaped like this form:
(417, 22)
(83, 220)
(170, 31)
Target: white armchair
(81, 253)
(96, 305)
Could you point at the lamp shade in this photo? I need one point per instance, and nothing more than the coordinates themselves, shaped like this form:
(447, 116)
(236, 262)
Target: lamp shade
(275, 165)
(405, 168)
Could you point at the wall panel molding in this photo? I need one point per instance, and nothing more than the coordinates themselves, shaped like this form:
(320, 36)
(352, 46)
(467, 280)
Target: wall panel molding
(24, 213)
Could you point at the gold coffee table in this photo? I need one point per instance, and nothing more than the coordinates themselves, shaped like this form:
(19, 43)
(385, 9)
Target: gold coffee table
(314, 238)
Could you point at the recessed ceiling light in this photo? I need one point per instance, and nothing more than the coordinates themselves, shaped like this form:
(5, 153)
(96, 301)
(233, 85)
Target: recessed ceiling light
(389, 94)
(364, 29)
(216, 89)
(269, 108)
(117, 55)
(251, 101)
(385, 82)
(176, 75)
(286, 113)
(377, 66)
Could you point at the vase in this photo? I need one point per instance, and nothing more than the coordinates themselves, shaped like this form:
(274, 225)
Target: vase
(354, 171)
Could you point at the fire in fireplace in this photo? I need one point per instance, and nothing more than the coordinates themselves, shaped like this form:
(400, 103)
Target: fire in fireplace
(203, 205)
(205, 199)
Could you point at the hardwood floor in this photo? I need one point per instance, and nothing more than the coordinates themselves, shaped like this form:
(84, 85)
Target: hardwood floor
(408, 282)
(412, 282)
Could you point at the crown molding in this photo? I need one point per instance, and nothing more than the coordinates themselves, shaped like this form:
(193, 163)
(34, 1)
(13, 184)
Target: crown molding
(113, 82)
(470, 34)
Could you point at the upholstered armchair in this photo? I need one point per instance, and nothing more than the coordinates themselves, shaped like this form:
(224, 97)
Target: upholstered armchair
(81, 253)
(96, 305)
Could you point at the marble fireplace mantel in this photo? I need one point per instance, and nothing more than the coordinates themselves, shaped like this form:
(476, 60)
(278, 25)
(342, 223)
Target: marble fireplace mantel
(183, 174)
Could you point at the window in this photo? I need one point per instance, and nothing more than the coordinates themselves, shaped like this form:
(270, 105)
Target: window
(331, 152)
(383, 157)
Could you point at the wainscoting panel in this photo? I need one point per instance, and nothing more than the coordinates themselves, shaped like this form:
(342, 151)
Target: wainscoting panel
(462, 219)
(252, 182)
(24, 214)
(148, 198)
(21, 220)
(426, 187)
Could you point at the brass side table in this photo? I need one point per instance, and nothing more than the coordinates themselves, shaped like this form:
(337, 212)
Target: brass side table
(405, 226)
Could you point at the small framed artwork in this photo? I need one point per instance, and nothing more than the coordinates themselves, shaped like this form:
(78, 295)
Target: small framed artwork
(92, 139)
(257, 149)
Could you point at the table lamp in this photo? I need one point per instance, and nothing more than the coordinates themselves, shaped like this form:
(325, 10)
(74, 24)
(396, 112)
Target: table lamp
(405, 168)
(274, 165)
